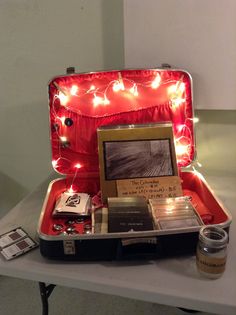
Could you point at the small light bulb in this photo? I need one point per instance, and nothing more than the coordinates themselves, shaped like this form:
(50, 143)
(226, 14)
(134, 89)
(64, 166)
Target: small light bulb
(180, 127)
(134, 90)
(71, 190)
(121, 82)
(172, 89)
(74, 89)
(177, 101)
(54, 163)
(181, 87)
(117, 86)
(175, 92)
(106, 101)
(195, 119)
(63, 98)
(62, 119)
(78, 165)
(100, 101)
(97, 100)
(181, 149)
(156, 82)
(63, 139)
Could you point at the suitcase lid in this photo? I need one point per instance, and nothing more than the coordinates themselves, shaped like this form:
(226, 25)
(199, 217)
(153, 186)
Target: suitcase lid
(80, 103)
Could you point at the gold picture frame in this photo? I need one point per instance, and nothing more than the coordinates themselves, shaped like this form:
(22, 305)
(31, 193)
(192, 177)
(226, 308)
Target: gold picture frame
(134, 151)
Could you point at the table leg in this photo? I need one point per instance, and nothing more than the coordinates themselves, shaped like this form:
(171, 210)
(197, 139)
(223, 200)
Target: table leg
(45, 292)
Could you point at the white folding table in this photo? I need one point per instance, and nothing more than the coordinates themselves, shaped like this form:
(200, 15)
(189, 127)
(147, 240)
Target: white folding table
(173, 282)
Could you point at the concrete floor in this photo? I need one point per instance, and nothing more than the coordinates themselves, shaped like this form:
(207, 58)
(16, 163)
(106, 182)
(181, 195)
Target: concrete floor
(22, 297)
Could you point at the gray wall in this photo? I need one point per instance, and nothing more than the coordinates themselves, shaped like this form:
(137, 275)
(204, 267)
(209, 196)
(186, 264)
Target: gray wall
(38, 40)
(216, 142)
(198, 36)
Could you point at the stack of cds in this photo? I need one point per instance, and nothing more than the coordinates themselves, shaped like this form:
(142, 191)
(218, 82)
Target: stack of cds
(174, 213)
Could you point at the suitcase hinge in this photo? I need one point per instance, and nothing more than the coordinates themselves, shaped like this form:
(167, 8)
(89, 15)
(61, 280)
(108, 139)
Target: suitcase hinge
(70, 70)
(165, 66)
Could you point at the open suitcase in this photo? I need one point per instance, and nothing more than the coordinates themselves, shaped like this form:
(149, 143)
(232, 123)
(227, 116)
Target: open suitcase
(81, 103)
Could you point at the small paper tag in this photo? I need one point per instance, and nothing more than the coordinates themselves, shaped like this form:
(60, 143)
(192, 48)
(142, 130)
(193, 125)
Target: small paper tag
(69, 247)
(150, 188)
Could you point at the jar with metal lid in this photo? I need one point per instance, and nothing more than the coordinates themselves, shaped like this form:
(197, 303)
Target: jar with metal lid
(212, 251)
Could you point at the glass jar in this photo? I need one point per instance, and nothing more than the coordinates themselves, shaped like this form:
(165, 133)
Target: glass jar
(212, 251)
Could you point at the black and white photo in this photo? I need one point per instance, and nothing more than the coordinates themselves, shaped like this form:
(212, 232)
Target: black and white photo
(137, 159)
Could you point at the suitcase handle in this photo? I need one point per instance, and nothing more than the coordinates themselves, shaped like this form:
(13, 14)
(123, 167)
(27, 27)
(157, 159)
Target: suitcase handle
(134, 248)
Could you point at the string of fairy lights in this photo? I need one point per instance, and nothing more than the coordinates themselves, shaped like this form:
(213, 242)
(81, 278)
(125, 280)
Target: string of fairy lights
(176, 92)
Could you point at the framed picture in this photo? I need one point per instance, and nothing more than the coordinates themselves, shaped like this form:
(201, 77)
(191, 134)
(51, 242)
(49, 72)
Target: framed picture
(135, 151)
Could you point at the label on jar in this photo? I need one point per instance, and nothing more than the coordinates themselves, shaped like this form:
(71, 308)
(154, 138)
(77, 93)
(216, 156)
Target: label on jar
(209, 264)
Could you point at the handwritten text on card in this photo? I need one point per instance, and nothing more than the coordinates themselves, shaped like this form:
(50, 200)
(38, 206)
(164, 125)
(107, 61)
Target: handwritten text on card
(155, 187)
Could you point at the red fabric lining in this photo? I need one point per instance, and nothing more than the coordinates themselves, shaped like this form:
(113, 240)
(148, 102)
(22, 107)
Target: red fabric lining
(149, 106)
(206, 204)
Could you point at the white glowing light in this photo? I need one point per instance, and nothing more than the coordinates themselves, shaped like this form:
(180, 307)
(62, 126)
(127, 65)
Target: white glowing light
(181, 149)
(172, 89)
(175, 92)
(118, 86)
(195, 120)
(71, 190)
(78, 165)
(97, 100)
(177, 88)
(62, 119)
(106, 101)
(74, 89)
(134, 90)
(92, 88)
(63, 139)
(156, 82)
(100, 101)
(63, 98)
(181, 87)
(121, 81)
(181, 127)
(54, 163)
(177, 101)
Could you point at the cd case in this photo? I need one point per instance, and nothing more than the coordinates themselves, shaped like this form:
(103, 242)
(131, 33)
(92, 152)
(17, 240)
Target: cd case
(15, 243)
(128, 214)
(174, 213)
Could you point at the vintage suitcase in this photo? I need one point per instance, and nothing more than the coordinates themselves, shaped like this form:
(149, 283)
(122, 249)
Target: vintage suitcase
(81, 103)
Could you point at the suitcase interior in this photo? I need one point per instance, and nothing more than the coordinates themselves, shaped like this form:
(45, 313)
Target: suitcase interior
(79, 104)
